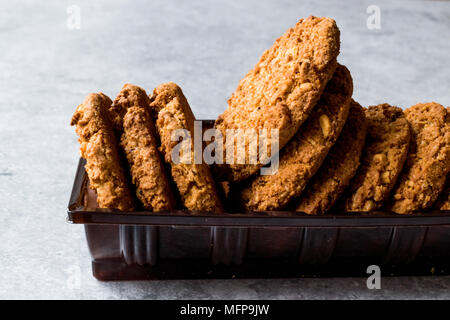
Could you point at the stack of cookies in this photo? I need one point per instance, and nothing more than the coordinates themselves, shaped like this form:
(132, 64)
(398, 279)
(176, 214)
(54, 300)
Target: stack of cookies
(127, 146)
(334, 155)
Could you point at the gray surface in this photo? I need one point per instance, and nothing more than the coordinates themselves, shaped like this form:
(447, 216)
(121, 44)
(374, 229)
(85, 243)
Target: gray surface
(206, 47)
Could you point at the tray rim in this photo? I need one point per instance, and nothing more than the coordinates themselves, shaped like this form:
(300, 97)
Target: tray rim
(77, 214)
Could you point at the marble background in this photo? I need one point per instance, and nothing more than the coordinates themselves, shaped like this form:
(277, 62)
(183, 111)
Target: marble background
(46, 69)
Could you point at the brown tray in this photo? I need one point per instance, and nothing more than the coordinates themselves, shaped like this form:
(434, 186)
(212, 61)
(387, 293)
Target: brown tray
(178, 245)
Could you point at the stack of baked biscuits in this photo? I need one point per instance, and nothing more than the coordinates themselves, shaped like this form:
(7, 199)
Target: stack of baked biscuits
(334, 155)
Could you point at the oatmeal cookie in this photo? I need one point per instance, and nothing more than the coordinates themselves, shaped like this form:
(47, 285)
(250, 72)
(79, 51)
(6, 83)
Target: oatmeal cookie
(428, 162)
(283, 87)
(339, 166)
(131, 115)
(194, 181)
(147, 171)
(304, 154)
(100, 149)
(384, 154)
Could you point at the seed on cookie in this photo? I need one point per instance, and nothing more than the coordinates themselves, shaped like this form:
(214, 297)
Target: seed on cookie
(325, 125)
(385, 177)
(380, 158)
(306, 86)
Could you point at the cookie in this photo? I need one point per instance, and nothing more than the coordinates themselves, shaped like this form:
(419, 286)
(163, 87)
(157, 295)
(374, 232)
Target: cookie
(428, 162)
(283, 87)
(382, 160)
(100, 149)
(194, 181)
(304, 154)
(339, 166)
(147, 171)
(131, 114)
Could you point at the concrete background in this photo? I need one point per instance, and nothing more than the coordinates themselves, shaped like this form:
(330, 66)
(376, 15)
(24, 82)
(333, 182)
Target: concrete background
(46, 69)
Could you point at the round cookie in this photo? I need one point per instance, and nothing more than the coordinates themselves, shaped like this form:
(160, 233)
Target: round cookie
(282, 88)
(428, 161)
(304, 154)
(99, 147)
(138, 141)
(339, 166)
(384, 154)
(147, 171)
(194, 181)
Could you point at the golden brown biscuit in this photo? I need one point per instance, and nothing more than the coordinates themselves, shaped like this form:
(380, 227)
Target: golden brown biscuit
(194, 181)
(100, 149)
(131, 113)
(283, 87)
(339, 166)
(428, 162)
(147, 171)
(384, 154)
(304, 154)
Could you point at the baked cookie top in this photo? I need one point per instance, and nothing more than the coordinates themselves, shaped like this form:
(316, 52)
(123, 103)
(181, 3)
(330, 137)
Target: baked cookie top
(194, 181)
(283, 87)
(339, 166)
(304, 154)
(384, 154)
(428, 161)
(100, 149)
(129, 96)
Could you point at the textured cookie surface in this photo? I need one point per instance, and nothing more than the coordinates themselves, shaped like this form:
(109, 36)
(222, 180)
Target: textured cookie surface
(339, 166)
(131, 113)
(129, 96)
(428, 160)
(304, 154)
(100, 149)
(283, 87)
(194, 181)
(384, 154)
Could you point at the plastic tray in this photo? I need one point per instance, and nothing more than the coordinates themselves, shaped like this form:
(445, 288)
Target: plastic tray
(178, 245)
